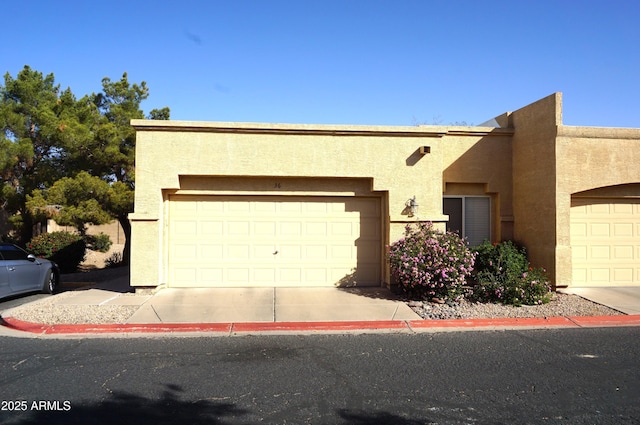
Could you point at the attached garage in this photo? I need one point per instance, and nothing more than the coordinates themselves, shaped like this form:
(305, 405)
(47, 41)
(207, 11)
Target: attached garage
(605, 241)
(235, 240)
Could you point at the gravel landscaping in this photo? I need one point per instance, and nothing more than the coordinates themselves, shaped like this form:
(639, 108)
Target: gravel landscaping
(561, 305)
(47, 312)
(53, 310)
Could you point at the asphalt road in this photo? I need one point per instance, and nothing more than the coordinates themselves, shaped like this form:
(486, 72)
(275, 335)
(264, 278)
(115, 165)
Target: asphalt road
(570, 376)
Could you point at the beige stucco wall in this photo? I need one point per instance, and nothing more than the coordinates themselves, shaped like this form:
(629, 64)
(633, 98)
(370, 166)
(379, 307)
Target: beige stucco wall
(387, 157)
(591, 158)
(477, 161)
(534, 182)
(551, 162)
(113, 230)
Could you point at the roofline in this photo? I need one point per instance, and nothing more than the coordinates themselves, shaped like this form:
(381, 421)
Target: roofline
(314, 129)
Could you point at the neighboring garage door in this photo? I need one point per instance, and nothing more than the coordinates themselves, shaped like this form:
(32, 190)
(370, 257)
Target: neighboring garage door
(274, 241)
(605, 241)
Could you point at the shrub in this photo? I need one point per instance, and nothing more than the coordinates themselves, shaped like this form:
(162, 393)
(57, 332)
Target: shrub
(100, 242)
(503, 275)
(65, 248)
(115, 260)
(427, 263)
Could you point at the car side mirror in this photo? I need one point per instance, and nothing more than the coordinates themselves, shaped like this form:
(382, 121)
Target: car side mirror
(31, 257)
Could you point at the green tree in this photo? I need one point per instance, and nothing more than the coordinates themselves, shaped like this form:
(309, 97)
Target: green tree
(78, 154)
(34, 114)
(75, 201)
(113, 147)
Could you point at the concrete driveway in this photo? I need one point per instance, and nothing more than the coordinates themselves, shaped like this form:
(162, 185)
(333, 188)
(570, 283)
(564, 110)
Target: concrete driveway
(622, 298)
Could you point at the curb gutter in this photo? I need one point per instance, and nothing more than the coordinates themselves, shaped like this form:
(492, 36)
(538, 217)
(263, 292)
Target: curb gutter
(344, 326)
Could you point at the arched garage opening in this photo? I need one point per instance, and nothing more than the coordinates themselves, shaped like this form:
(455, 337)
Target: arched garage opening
(605, 236)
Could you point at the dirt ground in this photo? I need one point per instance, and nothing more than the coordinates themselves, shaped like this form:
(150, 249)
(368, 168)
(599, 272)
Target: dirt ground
(93, 267)
(96, 260)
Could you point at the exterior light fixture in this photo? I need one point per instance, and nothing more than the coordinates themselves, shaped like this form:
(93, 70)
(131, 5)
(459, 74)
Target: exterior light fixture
(412, 206)
(425, 150)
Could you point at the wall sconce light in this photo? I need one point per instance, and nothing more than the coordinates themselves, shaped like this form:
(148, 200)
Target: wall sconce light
(412, 206)
(425, 150)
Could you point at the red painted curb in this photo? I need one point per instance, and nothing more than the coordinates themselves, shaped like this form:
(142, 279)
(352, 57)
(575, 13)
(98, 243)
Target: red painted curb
(626, 320)
(115, 328)
(228, 328)
(318, 326)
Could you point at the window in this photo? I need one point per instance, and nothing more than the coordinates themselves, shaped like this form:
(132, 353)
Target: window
(469, 216)
(10, 252)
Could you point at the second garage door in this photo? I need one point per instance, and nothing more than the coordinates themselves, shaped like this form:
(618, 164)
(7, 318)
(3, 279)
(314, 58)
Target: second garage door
(605, 241)
(274, 241)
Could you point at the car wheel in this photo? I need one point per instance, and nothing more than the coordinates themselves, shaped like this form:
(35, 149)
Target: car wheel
(50, 282)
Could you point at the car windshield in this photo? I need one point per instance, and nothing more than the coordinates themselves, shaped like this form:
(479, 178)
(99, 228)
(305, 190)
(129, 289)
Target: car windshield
(12, 252)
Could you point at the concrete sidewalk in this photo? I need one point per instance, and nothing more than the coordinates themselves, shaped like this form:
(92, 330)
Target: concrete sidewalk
(221, 305)
(233, 310)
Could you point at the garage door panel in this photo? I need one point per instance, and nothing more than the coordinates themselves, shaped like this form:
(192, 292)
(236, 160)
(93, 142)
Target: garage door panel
(242, 208)
(208, 275)
(623, 230)
(238, 252)
(210, 252)
(600, 252)
(238, 228)
(621, 275)
(317, 208)
(186, 228)
(624, 209)
(313, 229)
(288, 252)
(342, 230)
(185, 251)
(317, 275)
(599, 230)
(605, 241)
(290, 228)
(622, 252)
(317, 241)
(292, 276)
(262, 252)
(264, 229)
(236, 274)
(578, 230)
(184, 276)
(600, 275)
(341, 252)
(317, 252)
(290, 207)
(264, 275)
(211, 228)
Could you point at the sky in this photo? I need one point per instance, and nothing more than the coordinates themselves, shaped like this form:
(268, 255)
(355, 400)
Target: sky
(363, 62)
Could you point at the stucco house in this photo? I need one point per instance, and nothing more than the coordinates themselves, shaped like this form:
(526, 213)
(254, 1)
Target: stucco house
(243, 204)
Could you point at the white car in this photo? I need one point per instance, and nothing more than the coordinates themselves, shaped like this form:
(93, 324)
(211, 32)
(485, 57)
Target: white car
(21, 272)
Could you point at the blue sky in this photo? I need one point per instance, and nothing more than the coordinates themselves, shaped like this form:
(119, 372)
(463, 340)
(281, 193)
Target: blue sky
(373, 62)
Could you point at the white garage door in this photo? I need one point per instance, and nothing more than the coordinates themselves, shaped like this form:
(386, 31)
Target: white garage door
(605, 241)
(274, 241)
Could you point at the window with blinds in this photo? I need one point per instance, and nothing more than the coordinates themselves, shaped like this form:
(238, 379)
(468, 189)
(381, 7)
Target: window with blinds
(469, 216)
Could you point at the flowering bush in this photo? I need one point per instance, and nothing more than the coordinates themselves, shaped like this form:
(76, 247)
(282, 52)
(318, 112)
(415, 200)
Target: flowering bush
(503, 275)
(65, 248)
(427, 263)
